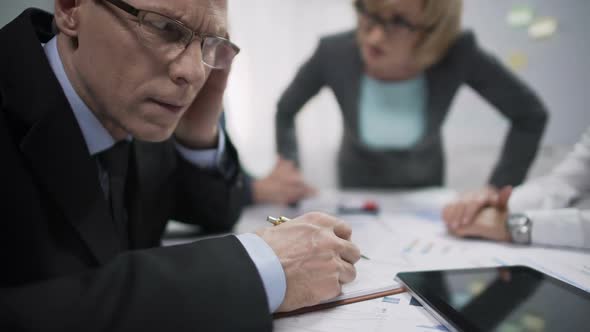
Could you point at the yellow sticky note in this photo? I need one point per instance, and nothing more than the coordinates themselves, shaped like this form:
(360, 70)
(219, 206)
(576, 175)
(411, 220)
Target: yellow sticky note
(517, 61)
(520, 16)
(542, 28)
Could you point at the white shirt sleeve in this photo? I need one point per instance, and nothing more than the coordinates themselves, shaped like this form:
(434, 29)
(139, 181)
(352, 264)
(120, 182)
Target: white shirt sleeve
(269, 267)
(548, 200)
(561, 227)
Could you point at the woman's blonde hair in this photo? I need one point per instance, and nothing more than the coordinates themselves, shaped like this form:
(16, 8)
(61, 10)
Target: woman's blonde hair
(444, 16)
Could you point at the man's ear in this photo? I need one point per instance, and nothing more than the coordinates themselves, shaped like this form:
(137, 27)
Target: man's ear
(67, 17)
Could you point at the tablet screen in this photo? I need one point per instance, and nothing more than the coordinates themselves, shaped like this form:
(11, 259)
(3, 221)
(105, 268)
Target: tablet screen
(501, 299)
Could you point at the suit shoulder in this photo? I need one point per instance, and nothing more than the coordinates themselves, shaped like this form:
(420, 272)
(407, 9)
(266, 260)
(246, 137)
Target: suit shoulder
(461, 51)
(339, 41)
(466, 38)
(465, 43)
(339, 38)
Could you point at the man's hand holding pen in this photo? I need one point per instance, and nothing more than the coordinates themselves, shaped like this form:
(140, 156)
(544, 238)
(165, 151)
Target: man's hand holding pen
(317, 256)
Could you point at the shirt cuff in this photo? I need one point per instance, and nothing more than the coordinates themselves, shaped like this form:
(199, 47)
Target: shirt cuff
(269, 267)
(207, 158)
(560, 227)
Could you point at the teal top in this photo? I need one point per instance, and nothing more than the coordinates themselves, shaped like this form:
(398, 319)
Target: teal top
(392, 114)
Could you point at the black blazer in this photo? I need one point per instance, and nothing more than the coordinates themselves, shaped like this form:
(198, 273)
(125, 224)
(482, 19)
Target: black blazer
(62, 265)
(337, 64)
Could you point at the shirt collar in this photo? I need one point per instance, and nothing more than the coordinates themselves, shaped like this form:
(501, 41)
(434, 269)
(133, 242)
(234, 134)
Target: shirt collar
(95, 135)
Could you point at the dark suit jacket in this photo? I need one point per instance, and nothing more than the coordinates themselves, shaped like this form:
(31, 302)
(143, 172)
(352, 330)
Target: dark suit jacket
(63, 268)
(337, 64)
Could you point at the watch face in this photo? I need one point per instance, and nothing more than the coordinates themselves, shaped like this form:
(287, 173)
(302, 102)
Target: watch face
(519, 228)
(516, 220)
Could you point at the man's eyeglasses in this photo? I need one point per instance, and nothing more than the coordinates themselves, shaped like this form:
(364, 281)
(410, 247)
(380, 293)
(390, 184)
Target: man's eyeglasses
(167, 33)
(391, 25)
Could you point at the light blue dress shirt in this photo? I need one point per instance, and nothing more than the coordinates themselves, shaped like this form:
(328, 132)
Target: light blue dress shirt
(98, 139)
(392, 114)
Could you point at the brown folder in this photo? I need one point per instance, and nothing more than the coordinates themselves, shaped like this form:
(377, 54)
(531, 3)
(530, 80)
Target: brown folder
(333, 304)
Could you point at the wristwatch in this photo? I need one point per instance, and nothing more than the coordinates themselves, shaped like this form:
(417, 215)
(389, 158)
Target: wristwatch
(519, 227)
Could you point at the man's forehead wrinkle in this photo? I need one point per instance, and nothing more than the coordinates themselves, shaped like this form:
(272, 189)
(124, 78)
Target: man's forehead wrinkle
(209, 17)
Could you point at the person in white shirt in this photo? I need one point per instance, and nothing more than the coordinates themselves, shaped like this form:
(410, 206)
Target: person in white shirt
(553, 210)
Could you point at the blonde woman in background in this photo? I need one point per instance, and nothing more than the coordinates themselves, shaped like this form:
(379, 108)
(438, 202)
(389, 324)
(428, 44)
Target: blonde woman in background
(395, 77)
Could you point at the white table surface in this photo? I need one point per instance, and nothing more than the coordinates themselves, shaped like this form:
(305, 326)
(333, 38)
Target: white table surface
(407, 234)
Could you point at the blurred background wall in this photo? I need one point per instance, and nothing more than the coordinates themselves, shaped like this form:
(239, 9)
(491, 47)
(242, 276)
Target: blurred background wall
(276, 37)
(9, 9)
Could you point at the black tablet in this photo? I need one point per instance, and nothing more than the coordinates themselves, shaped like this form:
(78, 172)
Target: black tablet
(507, 299)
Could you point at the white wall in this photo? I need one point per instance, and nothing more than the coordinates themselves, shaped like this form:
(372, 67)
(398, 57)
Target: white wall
(276, 37)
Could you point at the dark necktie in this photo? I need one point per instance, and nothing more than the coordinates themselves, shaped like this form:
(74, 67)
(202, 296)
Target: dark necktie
(115, 161)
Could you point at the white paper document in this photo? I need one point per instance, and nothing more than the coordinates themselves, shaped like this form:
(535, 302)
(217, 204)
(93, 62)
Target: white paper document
(414, 241)
(392, 313)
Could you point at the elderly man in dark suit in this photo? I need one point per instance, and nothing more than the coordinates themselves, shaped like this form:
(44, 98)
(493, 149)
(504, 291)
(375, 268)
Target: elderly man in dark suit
(108, 130)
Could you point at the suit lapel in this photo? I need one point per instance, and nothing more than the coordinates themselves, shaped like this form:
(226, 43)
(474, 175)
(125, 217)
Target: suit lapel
(60, 160)
(351, 85)
(51, 139)
(434, 112)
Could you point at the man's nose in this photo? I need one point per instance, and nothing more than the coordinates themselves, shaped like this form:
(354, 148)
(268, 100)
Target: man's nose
(188, 67)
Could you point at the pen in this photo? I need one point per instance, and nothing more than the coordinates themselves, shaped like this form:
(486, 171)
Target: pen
(277, 221)
(282, 219)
